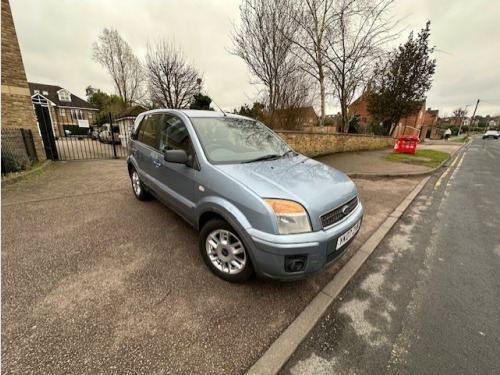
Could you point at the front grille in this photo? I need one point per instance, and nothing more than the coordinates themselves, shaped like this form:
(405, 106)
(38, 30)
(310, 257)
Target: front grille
(338, 214)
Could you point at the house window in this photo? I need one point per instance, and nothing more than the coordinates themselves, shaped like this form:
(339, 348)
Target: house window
(64, 96)
(62, 112)
(36, 91)
(45, 93)
(76, 114)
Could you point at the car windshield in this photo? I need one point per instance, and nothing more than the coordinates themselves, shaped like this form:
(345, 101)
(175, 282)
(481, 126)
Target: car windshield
(233, 140)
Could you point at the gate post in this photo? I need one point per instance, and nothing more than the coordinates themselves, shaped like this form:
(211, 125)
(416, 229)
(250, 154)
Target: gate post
(29, 144)
(112, 135)
(45, 127)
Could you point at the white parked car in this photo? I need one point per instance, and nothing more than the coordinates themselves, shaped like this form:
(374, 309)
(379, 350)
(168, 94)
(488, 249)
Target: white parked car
(105, 134)
(491, 134)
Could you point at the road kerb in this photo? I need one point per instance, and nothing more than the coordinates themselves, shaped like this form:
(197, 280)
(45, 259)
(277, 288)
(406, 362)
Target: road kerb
(287, 343)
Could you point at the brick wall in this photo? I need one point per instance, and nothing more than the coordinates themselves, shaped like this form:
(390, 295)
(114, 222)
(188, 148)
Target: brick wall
(17, 109)
(317, 144)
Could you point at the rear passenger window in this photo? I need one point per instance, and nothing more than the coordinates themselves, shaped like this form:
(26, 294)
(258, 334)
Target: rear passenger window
(173, 134)
(148, 130)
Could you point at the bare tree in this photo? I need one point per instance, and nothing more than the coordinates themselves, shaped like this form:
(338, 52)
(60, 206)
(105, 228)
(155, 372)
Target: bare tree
(362, 30)
(295, 103)
(172, 81)
(264, 42)
(112, 52)
(459, 115)
(314, 19)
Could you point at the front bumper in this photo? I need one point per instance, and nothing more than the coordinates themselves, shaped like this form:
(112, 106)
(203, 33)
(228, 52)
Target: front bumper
(270, 251)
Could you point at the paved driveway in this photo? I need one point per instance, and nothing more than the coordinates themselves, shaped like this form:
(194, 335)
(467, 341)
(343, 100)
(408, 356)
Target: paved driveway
(95, 281)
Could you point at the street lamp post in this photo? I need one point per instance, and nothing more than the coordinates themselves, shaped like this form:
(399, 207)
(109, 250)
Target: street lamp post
(463, 117)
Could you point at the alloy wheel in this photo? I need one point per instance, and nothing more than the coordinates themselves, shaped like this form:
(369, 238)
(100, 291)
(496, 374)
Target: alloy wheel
(226, 252)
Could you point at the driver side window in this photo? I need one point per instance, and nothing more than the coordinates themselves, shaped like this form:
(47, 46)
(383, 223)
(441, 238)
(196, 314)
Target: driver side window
(173, 134)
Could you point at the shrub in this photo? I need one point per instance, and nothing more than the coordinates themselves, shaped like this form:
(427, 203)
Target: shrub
(9, 163)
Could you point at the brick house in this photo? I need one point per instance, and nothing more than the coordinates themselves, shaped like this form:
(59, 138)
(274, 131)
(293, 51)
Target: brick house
(17, 109)
(360, 107)
(431, 129)
(431, 117)
(66, 111)
(416, 124)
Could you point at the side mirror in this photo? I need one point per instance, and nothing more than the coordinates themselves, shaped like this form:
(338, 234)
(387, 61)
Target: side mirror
(178, 156)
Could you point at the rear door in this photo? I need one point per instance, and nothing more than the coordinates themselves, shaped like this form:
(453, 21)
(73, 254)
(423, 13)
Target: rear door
(144, 148)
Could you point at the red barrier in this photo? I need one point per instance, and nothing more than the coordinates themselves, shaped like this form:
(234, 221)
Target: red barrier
(406, 144)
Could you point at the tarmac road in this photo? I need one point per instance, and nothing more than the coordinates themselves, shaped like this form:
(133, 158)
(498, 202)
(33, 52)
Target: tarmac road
(95, 281)
(427, 301)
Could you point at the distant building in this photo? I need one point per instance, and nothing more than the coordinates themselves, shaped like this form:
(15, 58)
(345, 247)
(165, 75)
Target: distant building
(431, 117)
(416, 124)
(66, 111)
(360, 107)
(125, 121)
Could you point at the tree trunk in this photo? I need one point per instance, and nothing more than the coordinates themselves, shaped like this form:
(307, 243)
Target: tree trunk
(323, 97)
(345, 117)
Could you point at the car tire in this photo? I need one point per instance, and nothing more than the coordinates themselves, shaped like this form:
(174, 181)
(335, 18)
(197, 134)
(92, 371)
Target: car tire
(138, 187)
(224, 252)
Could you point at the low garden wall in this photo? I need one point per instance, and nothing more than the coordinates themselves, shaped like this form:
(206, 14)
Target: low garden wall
(318, 144)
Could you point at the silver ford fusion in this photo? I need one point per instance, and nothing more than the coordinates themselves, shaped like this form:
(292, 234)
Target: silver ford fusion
(259, 206)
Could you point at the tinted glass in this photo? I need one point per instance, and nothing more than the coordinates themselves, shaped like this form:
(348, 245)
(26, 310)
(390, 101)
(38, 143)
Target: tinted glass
(233, 140)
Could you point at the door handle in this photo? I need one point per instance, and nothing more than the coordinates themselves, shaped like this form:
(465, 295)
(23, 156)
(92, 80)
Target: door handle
(156, 163)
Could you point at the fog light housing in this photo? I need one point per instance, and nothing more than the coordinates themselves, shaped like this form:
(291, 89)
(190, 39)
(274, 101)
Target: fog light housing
(295, 263)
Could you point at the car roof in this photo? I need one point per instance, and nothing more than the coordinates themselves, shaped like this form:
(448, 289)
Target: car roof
(194, 113)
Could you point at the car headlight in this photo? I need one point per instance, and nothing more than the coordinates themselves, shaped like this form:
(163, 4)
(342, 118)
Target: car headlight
(291, 217)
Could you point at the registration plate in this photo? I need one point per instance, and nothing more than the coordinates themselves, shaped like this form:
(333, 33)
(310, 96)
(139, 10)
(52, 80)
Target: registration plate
(342, 240)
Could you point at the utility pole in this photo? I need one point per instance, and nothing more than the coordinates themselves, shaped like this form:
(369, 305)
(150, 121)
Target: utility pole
(463, 117)
(473, 115)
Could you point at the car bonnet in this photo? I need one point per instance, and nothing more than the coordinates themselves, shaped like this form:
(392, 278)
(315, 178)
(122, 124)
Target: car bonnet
(314, 185)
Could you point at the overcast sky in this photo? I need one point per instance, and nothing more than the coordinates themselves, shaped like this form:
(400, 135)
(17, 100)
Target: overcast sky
(56, 38)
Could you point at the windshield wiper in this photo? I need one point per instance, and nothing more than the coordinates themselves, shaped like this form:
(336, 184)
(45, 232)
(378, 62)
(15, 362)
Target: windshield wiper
(291, 152)
(265, 157)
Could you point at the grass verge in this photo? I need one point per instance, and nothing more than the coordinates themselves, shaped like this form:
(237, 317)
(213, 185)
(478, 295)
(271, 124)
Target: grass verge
(426, 158)
(461, 140)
